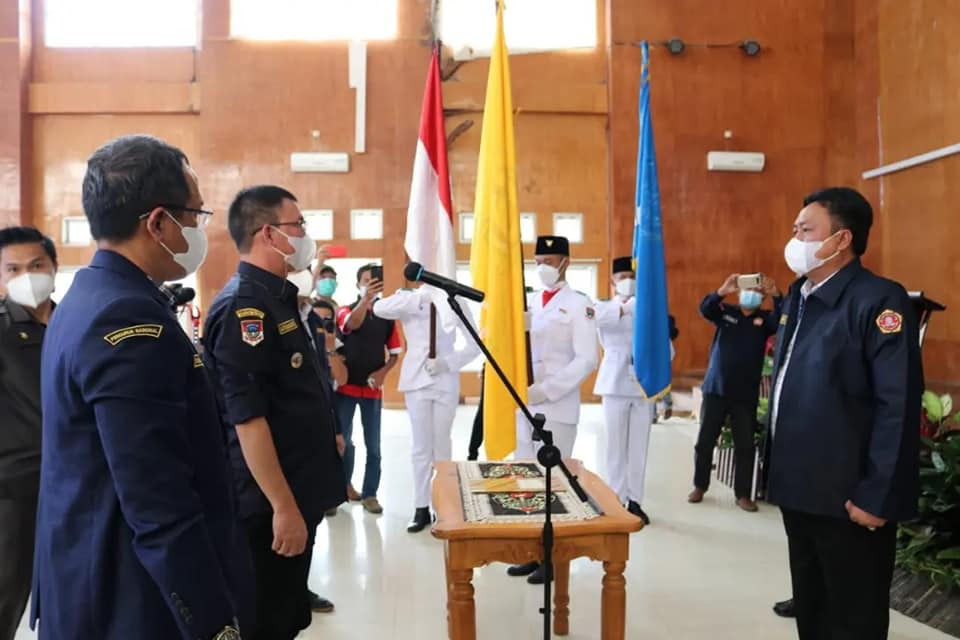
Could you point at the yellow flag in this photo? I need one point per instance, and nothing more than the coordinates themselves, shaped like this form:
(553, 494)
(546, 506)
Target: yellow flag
(496, 258)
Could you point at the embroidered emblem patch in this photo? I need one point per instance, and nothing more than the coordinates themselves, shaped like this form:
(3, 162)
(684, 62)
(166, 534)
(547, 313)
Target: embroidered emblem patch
(250, 312)
(287, 326)
(136, 331)
(590, 313)
(890, 321)
(296, 360)
(251, 331)
(197, 362)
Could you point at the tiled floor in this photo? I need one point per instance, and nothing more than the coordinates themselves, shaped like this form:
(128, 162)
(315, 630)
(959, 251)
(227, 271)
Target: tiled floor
(705, 571)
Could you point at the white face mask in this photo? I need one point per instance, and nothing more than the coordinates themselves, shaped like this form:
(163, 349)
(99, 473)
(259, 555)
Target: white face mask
(30, 289)
(304, 282)
(802, 257)
(304, 250)
(196, 252)
(548, 275)
(626, 287)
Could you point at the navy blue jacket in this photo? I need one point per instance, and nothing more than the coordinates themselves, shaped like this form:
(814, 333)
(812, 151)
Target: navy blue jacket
(265, 367)
(136, 530)
(848, 422)
(736, 356)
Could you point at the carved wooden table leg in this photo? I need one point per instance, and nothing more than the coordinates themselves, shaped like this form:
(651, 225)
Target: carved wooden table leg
(460, 606)
(613, 602)
(561, 598)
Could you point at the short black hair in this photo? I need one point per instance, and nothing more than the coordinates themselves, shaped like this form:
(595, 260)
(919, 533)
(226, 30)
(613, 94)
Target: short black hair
(327, 269)
(848, 209)
(323, 304)
(126, 178)
(367, 267)
(252, 208)
(27, 235)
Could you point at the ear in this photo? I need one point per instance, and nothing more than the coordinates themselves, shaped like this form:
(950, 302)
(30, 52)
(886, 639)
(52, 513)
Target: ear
(155, 219)
(845, 240)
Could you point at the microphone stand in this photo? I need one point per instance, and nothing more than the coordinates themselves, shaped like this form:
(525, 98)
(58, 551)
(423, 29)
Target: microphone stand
(548, 456)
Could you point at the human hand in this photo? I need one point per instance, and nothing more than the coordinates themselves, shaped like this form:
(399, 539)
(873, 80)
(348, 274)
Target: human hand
(863, 518)
(376, 378)
(729, 285)
(289, 532)
(769, 287)
(436, 367)
(341, 445)
(373, 289)
(535, 394)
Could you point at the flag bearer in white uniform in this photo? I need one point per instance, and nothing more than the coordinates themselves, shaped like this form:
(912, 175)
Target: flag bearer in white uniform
(431, 385)
(626, 411)
(563, 345)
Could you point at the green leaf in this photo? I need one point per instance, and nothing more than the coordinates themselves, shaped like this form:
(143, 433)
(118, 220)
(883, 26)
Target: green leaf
(953, 553)
(947, 403)
(933, 406)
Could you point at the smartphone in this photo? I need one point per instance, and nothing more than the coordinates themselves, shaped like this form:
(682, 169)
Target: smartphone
(377, 273)
(750, 281)
(336, 251)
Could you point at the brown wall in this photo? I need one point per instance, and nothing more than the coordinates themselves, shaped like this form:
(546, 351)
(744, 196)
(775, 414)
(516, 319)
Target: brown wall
(920, 111)
(809, 101)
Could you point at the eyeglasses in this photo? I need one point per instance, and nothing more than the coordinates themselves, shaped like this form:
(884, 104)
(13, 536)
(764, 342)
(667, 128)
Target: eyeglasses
(203, 215)
(301, 222)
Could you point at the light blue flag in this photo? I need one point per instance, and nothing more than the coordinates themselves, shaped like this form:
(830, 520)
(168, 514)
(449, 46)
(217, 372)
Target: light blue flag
(651, 333)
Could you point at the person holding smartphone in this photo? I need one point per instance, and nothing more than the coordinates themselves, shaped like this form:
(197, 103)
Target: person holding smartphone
(371, 346)
(732, 384)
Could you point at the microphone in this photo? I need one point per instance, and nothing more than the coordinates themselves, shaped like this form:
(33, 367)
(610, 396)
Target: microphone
(414, 272)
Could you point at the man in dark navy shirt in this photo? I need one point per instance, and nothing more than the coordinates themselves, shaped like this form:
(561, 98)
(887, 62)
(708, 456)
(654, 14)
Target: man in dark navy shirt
(136, 530)
(271, 386)
(732, 385)
(845, 421)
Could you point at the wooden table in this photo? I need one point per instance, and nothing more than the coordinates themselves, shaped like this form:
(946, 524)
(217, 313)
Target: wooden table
(468, 545)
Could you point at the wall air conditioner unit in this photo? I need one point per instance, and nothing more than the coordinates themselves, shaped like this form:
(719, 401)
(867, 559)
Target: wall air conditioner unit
(735, 161)
(319, 162)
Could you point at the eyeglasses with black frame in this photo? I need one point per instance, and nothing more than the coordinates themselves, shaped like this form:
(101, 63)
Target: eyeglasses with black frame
(203, 215)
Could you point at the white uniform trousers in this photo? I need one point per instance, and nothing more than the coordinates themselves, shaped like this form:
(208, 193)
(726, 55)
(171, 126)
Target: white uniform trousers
(431, 420)
(564, 435)
(628, 440)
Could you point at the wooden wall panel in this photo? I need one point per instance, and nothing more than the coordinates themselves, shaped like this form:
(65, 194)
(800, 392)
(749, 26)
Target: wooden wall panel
(918, 100)
(718, 223)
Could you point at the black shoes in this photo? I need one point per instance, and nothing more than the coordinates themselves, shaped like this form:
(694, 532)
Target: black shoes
(785, 609)
(421, 520)
(318, 604)
(635, 509)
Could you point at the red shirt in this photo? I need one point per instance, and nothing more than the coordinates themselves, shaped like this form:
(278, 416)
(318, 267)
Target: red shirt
(393, 345)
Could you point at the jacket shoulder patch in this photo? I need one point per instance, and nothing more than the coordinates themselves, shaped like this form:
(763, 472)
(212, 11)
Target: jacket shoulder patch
(889, 321)
(250, 312)
(135, 331)
(287, 326)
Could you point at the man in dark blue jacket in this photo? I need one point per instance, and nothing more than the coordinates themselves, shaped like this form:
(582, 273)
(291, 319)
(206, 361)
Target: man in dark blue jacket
(732, 385)
(845, 421)
(136, 530)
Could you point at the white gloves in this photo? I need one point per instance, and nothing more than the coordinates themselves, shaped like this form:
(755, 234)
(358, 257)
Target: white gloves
(436, 367)
(535, 394)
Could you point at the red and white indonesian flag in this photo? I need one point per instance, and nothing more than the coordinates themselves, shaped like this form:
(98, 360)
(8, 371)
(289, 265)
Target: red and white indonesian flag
(429, 238)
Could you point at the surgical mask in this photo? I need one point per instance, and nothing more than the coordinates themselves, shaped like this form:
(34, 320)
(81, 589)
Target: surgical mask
(802, 257)
(750, 299)
(30, 289)
(304, 250)
(548, 275)
(626, 287)
(303, 280)
(196, 252)
(326, 286)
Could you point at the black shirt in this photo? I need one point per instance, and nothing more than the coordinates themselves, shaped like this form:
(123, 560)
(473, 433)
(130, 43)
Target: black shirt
(21, 339)
(264, 366)
(736, 356)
